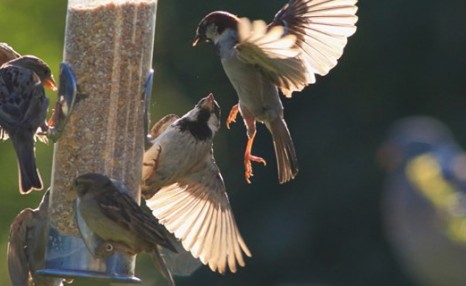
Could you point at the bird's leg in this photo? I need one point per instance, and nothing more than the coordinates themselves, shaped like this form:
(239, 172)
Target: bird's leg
(248, 157)
(232, 116)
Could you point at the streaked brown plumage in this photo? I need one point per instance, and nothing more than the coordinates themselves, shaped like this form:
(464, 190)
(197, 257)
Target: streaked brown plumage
(23, 108)
(116, 218)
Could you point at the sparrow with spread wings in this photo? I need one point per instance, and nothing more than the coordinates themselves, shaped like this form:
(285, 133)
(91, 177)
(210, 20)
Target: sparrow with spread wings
(305, 38)
(185, 190)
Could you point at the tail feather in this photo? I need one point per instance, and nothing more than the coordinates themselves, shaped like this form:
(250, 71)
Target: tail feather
(29, 177)
(287, 162)
(159, 263)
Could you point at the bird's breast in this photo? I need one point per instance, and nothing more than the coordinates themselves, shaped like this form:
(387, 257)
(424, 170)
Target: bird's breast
(256, 92)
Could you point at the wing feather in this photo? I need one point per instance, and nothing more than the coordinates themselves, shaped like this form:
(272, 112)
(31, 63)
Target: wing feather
(197, 211)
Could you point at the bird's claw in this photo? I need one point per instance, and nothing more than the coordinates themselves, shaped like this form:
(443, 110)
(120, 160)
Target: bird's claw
(232, 116)
(64, 105)
(248, 158)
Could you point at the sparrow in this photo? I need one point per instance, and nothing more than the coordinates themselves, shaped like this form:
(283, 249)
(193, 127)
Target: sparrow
(305, 38)
(424, 200)
(23, 108)
(117, 219)
(183, 186)
(26, 247)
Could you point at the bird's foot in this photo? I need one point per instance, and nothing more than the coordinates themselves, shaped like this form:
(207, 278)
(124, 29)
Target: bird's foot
(248, 158)
(232, 116)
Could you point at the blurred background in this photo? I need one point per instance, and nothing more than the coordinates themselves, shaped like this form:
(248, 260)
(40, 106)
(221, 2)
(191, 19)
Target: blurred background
(327, 226)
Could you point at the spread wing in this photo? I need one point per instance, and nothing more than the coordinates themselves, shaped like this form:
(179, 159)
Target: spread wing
(273, 52)
(198, 212)
(322, 28)
(306, 37)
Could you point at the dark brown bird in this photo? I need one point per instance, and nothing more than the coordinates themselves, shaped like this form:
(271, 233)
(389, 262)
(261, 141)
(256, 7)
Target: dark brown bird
(23, 108)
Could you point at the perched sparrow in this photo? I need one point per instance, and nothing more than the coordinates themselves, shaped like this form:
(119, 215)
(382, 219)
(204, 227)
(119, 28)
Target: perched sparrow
(305, 38)
(7, 53)
(23, 108)
(26, 247)
(424, 201)
(116, 218)
(185, 190)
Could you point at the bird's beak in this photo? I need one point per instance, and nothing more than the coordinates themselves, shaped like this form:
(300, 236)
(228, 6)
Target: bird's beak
(196, 40)
(50, 83)
(209, 103)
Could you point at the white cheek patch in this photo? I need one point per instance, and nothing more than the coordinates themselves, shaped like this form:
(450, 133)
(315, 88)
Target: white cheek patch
(213, 123)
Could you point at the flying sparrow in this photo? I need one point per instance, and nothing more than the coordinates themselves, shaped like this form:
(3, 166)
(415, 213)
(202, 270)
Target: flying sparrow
(185, 190)
(26, 247)
(116, 218)
(306, 37)
(23, 108)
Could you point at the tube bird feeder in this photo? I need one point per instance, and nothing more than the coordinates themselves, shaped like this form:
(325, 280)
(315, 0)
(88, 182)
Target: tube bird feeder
(108, 46)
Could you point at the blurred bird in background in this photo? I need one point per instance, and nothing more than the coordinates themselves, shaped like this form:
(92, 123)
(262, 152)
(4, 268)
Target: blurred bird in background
(116, 218)
(183, 186)
(23, 108)
(305, 38)
(26, 247)
(424, 204)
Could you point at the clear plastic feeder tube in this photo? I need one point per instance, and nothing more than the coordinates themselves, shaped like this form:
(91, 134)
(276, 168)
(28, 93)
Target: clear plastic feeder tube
(108, 45)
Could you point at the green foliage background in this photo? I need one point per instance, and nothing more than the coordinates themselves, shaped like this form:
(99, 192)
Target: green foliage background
(325, 227)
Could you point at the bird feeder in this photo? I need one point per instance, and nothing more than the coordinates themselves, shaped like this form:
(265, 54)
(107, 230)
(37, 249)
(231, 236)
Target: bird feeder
(108, 46)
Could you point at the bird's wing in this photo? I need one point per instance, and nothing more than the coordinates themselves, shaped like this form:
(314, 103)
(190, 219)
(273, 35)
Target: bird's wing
(22, 97)
(198, 212)
(7, 53)
(161, 125)
(124, 211)
(18, 262)
(273, 52)
(322, 28)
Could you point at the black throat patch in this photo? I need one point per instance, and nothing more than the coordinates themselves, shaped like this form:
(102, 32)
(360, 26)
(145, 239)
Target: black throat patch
(198, 128)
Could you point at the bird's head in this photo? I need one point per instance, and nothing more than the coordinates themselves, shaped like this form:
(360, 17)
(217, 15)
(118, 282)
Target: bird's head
(90, 181)
(203, 121)
(411, 137)
(209, 110)
(39, 67)
(213, 26)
